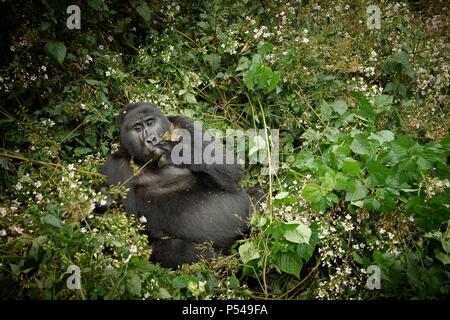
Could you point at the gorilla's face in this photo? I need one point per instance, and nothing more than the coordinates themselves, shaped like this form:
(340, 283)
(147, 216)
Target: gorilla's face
(141, 127)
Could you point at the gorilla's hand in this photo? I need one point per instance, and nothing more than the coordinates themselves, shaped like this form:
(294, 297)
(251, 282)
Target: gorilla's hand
(160, 153)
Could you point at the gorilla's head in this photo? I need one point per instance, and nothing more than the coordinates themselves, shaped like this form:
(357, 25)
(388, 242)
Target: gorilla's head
(141, 127)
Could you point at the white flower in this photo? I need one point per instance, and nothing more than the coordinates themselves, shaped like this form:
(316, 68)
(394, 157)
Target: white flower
(44, 68)
(142, 219)
(70, 167)
(12, 48)
(2, 212)
(100, 47)
(37, 184)
(19, 186)
(39, 197)
(348, 217)
(305, 40)
(16, 230)
(3, 233)
(133, 249)
(110, 38)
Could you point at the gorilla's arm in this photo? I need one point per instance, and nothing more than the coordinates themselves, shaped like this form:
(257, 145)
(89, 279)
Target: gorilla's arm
(118, 170)
(223, 176)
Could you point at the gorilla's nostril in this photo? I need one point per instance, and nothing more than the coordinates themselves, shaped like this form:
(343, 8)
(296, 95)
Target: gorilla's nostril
(151, 140)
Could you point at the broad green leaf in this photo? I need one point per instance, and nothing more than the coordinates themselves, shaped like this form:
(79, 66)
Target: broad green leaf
(351, 167)
(360, 191)
(382, 136)
(305, 251)
(359, 145)
(365, 107)
(52, 220)
(444, 258)
(144, 11)
(290, 263)
(214, 60)
(189, 98)
(243, 64)
(273, 81)
(339, 106)
(56, 50)
(311, 134)
(282, 195)
(383, 102)
(82, 150)
(372, 204)
(325, 110)
(301, 234)
(328, 182)
(248, 252)
(312, 192)
(133, 284)
(182, 281)
(98, 5)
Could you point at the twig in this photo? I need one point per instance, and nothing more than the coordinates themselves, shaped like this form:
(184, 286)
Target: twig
(48, 164)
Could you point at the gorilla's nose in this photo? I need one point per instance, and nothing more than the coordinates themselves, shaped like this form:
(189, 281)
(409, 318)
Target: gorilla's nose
(151, 140)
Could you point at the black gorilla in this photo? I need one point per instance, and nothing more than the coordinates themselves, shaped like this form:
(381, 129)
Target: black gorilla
(185, 204)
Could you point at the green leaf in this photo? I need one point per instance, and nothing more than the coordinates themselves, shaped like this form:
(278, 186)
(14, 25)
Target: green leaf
(248, 252)
(359, 192)
(214, 60)
(56, 50)
(311, 135)
(359, 145)
(133, 284)
(243, 64)
(378, 173)
(382, 136)
(312, 192)
(189, 98)
(164, 294)
(273, 81)
(325, 110)
(444, 258)
(98, 5)
(383, 103)
(339, 106)
(144, 11)
(290, 263)
(301, 234)
(304, 159)
(182, 281)
(82, 150)
(351, 167)
(35, 246)
(365, 107)
(372, 204)
(305, 251)
(282, 195)
(52, 220)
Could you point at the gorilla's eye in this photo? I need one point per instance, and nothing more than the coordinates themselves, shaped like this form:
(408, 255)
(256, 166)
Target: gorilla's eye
(149, 122)
(138, 128)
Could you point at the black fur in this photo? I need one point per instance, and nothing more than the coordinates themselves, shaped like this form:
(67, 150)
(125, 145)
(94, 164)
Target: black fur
(185, 205)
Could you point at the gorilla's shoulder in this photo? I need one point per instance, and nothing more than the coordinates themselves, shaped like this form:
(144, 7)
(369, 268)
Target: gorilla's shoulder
(181, 122)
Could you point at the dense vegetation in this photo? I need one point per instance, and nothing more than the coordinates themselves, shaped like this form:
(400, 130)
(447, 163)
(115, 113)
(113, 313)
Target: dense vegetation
(362, 115)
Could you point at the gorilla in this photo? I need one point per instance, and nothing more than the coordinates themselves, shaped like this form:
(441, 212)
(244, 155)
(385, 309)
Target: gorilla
(192, 209)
